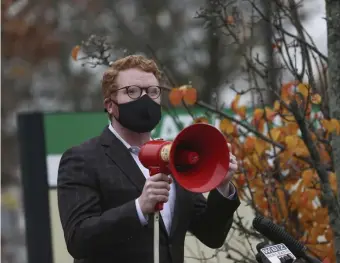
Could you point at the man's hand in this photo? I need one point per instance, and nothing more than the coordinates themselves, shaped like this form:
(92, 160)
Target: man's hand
(232, 166)
(156, 189)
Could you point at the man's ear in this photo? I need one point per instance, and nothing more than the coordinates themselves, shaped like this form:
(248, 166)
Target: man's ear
(111, 107)
(108, 105)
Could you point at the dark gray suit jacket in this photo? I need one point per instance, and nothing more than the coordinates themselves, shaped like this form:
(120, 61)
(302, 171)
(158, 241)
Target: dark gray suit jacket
(98, 182)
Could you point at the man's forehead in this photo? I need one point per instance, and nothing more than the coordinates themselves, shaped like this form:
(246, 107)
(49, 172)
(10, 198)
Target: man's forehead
(136, 77)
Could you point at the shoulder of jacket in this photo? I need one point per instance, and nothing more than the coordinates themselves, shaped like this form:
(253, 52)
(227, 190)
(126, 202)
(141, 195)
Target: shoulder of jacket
(85, 148)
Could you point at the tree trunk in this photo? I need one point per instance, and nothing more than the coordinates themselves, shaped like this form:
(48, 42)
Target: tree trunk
(212, 74)
(269, 9)
(333, 27)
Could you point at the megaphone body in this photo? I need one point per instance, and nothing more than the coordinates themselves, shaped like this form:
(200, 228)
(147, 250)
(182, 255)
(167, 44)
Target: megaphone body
(198, 158)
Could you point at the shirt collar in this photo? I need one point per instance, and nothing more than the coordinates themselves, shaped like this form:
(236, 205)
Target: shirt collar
(127, 145)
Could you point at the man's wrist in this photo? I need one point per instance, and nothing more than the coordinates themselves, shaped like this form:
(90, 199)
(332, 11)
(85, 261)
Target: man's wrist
(227, 190)
(142, 218)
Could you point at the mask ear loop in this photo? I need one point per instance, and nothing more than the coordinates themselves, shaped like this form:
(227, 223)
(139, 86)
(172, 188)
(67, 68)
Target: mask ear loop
(154, 139)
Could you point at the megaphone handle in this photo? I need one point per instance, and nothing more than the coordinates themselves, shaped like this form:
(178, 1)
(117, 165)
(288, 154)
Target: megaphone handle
(153, 171)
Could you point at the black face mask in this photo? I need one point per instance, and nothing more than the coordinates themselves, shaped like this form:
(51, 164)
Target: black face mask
(141, 115)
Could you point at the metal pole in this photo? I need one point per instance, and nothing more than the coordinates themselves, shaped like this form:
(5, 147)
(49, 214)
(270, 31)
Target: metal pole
(156, 237)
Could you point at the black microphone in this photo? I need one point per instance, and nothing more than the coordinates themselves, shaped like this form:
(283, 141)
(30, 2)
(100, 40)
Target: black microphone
(278, 235)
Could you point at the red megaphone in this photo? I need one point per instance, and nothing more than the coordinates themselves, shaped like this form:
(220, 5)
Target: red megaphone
(198, 158)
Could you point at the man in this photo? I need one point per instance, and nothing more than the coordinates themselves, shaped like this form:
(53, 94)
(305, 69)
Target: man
(105, 195)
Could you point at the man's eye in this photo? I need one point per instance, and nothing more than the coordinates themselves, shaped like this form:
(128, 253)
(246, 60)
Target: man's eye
(153, 90)
(133, 91)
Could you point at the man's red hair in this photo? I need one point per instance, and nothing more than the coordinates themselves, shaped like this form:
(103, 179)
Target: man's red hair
(133, 61)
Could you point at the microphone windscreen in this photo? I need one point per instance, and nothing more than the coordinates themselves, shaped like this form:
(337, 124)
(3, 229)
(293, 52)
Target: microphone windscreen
(278, 235)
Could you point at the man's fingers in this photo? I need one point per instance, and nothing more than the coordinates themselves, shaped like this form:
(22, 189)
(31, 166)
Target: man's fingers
(162, 198)
(233, 167)
(233, 158)
(160, 177)
(161, 191)
(160, 185)
(229, 146)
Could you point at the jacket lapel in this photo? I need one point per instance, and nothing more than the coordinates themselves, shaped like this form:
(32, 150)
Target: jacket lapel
(121, 156)
(180, 199)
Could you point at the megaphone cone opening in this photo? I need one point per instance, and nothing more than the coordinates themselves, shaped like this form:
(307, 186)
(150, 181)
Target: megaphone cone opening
(206, 148)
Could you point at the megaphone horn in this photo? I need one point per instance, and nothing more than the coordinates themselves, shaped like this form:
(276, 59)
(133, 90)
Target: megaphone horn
(198, 158)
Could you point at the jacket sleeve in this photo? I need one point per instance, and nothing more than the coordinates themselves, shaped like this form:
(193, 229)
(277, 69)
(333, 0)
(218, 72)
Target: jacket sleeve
(87, 229)
(212, 218)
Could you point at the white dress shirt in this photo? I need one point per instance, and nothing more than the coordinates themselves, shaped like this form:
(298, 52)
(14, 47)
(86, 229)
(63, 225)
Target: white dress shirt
(168, 207)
